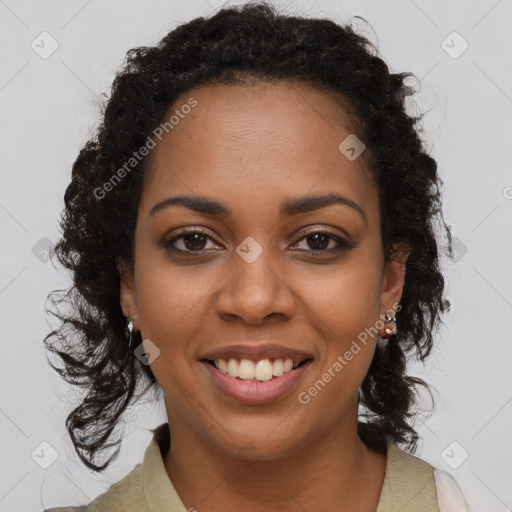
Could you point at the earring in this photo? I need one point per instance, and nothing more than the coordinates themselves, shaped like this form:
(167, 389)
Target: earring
(389, 330)
(130, 332)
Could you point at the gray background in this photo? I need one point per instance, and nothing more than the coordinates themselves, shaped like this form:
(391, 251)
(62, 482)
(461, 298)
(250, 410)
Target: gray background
(49, 108)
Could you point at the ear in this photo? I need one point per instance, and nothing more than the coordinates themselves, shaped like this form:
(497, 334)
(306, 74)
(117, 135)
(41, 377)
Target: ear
(394, 277)
(127, 293)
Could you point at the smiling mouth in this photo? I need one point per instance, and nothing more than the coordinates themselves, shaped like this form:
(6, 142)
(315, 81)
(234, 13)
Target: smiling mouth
(262, 370)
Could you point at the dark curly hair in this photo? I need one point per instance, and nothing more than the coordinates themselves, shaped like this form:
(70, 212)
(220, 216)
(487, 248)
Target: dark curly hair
(236, 44)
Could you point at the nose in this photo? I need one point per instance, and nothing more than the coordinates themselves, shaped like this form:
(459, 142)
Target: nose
(256, 290)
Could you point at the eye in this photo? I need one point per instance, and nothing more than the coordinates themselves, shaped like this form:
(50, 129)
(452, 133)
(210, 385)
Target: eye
(323, 242)
(196, 241)
(192, 240)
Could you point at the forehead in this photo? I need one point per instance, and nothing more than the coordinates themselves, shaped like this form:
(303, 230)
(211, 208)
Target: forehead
(253, 142)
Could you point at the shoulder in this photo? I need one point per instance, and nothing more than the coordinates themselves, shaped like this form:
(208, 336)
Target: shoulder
(449, 494)
(413, 484)
(146, 487)
(128, 490)
(408, 483)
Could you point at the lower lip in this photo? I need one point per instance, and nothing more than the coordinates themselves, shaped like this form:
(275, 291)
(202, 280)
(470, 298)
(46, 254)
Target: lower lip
(256, 392)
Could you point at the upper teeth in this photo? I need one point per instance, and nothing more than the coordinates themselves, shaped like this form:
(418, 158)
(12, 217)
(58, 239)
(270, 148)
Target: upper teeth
(262, 370)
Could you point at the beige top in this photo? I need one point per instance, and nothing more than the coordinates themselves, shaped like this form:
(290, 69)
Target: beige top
(408, 485)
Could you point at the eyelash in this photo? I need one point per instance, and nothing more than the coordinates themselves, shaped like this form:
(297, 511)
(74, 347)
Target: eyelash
(343, 244)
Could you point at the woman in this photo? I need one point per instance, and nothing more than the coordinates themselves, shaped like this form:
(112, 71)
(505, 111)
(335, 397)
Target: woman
(252, 232)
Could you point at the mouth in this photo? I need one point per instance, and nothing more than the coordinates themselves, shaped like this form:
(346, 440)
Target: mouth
(260, 370)
(255, 373)
(256, 382)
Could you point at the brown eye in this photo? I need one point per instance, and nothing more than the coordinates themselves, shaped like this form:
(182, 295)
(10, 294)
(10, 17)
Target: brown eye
(325, 242)
(189, 241)
(194, 241)
(318, 241)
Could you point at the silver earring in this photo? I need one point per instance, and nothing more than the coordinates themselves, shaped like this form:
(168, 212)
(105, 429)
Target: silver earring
(130, 330)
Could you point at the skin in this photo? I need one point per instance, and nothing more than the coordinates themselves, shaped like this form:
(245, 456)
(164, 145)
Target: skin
(252, 147)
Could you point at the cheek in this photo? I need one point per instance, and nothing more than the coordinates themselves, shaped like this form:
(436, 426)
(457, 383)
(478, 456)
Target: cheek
(171, 303)
(166, 310)
(169, 306)
(344, 306)
(345, 299)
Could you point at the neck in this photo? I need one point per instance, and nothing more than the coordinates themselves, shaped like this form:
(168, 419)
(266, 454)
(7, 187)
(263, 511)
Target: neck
(335, 472)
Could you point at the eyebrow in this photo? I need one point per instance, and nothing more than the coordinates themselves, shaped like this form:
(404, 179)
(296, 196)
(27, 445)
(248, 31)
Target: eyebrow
(289, 207)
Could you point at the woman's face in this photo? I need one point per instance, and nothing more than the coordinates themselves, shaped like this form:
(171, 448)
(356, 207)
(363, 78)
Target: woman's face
(273, 273)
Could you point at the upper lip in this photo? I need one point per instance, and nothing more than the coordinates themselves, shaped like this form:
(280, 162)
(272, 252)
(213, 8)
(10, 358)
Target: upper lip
(256, 352)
